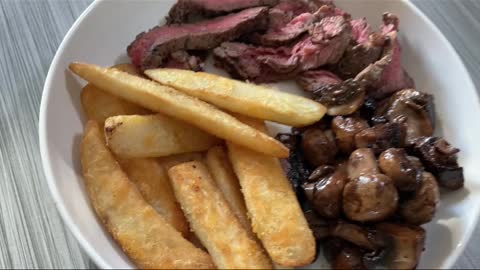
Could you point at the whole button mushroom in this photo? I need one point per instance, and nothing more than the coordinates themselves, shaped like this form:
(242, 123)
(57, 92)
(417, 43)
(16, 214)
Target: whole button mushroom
(407, 244)
(325, 190)
(416, 107)
(345, 129)
(362, 161)
(395, 163)
(421, 208)
(319, 147)
(369, 198)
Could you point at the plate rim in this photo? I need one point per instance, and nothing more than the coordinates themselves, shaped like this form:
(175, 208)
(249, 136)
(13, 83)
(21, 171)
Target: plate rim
(69, 219)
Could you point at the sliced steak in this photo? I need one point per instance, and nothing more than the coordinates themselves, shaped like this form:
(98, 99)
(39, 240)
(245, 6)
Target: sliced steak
(316, 79)
(184, 9)
(244, 61)
(329, 39)
(279, 33)
(387, 75)
(390, 23)
(358, 57)
(361, 30)
(183, 60)
(281, 14)
(150, 49)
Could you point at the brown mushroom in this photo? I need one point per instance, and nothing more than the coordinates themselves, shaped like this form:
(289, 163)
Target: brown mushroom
(369, 198)
(407, 245)
(361, 161)
(345, 129)
(343, 98)
(415, 161)
(416, 107)
(349, 257)
(294, 166)
(440, 158)
(325, 189)
(318, 226)
(421, 208)
(318, 146)
(395, 163)
(360, 236)
(381, 137)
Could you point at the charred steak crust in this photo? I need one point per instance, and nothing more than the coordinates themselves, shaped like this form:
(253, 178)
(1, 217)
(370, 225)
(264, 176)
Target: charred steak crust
(326, 45)
(149, 49)
(183, 9)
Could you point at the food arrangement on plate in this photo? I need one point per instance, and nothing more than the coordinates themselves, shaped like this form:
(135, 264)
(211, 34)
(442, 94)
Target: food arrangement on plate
(181, 170)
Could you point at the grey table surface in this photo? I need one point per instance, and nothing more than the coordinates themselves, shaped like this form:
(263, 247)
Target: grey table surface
(32, 234)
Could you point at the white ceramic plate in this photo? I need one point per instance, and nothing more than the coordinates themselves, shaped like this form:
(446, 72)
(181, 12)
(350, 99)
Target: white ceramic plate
(101, 35)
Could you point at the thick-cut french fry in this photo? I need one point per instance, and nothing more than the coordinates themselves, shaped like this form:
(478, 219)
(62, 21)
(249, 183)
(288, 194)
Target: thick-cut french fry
(226, 180)
(272, 205)
(129, 68)
(243, 98)
(173, 160)
(149, 176)
(134, 136)
(171, 102)
(145, 236)
(213, 221)
(152, 181)
(98, 105)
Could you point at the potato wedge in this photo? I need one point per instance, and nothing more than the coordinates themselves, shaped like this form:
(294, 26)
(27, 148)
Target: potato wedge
(213, 221)
(152, 181)
(273, 208)
(137, 136)
(145, 236)
(243, 98)
(171, 102)
(222, 173)
(173, 160)
(98, 105)
(129, 68)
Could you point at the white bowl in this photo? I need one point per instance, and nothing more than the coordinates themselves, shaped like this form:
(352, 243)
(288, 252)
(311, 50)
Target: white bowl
(101, 35)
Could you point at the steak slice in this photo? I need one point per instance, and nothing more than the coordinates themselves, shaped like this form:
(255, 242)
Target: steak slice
(288, 20)
(243, 61)
(286, 34)
(183, 9)
(313, 80)
(328, 41)
(361, 30)
(183, 60)
(150, 49)
(390, 23)
(281, 14)
(358, 57)
(387, 75)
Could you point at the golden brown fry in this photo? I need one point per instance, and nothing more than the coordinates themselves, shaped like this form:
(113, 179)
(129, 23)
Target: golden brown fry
(213, 221)
(244, 98)
(272, 205)
(226, 180)
(171, 102)
(129, 68)
(98, 105)
(173, 160)
(145, 236)
(152, 181)
(150, 177)
(136, 136)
